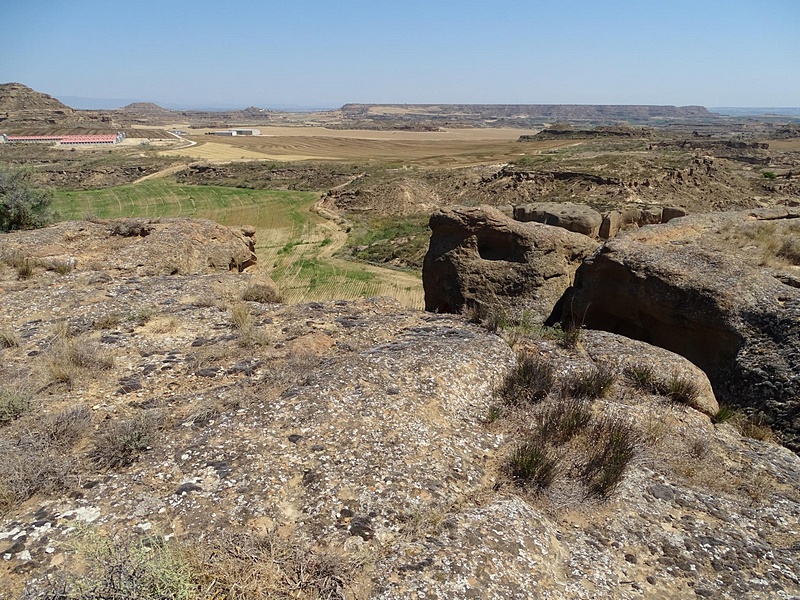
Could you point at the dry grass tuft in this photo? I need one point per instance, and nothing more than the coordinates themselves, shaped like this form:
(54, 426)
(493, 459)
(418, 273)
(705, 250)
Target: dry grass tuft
(531, 380)
(261, 292)
(8, 338)
(69, 358)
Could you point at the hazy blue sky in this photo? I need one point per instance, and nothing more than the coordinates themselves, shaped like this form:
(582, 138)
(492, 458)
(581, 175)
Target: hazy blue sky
(328, 52)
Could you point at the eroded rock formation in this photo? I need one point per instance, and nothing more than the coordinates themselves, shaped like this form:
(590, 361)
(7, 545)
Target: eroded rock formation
(721, 290)
(479, 257)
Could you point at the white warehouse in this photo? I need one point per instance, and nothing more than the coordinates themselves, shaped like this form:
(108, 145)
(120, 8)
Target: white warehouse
(238, 132)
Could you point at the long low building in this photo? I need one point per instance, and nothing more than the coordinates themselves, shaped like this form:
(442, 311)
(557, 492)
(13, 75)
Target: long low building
(69, 140)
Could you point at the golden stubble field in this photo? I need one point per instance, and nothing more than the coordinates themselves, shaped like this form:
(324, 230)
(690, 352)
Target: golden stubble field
(449, 148)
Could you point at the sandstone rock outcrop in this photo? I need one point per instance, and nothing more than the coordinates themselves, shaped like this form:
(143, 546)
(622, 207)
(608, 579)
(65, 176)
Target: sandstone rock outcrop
(142, 246)
(478, 257)
(572, 217)
(719, 289)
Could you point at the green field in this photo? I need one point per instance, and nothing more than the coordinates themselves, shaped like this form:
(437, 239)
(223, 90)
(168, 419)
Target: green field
(292, 242)
(264, 209)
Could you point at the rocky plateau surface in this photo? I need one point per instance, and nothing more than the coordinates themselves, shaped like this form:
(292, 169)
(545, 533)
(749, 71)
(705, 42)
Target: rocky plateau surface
(355, 430)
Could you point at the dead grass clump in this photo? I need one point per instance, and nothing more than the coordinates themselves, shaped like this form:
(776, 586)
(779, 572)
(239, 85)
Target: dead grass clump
(261, 292)
(8, 338)
(754, 426)
(529, 382)
(122, 442)
(109, 321)
(261, 567)
(241, 317)
(70, 357)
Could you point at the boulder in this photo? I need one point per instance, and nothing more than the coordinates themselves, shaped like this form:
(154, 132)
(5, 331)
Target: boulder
(479, 258)
(704, 287)
(672, 212)
(572, 217)
(610, 225)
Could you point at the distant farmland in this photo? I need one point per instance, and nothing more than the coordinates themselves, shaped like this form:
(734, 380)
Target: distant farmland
(129, 132)
(427, 149)
(293, 243)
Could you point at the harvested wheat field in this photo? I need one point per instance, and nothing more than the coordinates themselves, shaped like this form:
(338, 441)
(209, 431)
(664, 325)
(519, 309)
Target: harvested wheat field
(459, 147)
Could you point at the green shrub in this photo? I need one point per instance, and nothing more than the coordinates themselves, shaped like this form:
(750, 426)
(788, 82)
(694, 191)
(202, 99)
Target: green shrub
(614, 444)
(769, 175)
(22, 206)
(725, 413)
(533, 463)
(529, 382)
(681, 390)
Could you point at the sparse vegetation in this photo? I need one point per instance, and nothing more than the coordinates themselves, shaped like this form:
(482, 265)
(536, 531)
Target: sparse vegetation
(563, 419)
(533, 463)
(531, 380)
(676, 388)
(614, 445)
(121, 443)
(594, 383)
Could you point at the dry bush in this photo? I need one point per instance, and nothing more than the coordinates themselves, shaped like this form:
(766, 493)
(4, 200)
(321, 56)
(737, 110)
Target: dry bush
(529, 382)
(753, 426)
(228, 566)
(30, 465)
(261, 292)
(122, 442)
(67, 426)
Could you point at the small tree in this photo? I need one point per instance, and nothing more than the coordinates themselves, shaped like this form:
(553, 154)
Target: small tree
(22, 205)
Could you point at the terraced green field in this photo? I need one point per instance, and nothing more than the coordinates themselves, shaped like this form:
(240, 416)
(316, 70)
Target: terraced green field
(264, 209)
(292, 242)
